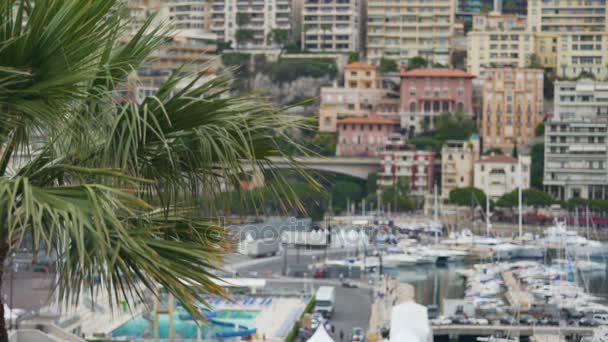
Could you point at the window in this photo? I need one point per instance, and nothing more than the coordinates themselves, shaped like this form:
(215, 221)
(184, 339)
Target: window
(413, 107)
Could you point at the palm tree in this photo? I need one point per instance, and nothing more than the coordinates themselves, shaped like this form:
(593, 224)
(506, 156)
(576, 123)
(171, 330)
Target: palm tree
(107, 187)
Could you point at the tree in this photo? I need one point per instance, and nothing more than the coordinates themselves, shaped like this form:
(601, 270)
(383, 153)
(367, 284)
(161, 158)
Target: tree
(494, 150)
(531, 197)
(353, 56)
(324, 144)
(535, 62)
(456, 126)
(417, 63)
(388, 65)
(540, 130)
(344, 192)
(372, 183)
(548, 84)
(585, 74)
(280, 37)
(537, 165)
(243, 35)
(109, 186)
(467, 196)
(514, 151)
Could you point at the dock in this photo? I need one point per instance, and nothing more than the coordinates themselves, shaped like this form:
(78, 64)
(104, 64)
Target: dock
(514, 295)
(513, 330)
(387, 293)
(547, 338)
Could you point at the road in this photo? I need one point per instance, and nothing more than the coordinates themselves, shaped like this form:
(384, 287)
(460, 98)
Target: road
(353, 306)
(275, 264)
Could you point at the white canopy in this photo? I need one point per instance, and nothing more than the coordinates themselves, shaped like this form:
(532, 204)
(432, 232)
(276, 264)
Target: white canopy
(410, 320)
(320, 335)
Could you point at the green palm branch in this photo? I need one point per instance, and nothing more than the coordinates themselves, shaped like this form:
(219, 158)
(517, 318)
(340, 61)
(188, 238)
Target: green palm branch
(109, 187)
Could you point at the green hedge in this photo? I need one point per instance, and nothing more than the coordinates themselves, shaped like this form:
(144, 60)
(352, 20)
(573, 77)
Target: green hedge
(294, 330)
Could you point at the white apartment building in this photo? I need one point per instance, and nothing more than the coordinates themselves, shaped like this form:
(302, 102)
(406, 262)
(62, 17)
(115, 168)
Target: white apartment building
(576, 156)
(188, 14)
(401, 30)
(332, 25)
(256, 16)
(497, 175)
(572, 35)
(457, 164)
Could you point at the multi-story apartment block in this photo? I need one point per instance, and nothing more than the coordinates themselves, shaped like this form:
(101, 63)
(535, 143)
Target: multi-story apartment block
(497, 175)
(140, 11)
(332, 25)
(512, 106)
(361, 92)
(188, 53)
(365, 136)
(402, 162)
(256, 17)
(498, 40)
(572, 36)
(576, 146)
(457, 163)
(401, 30)
(188, 14)
(426, 93)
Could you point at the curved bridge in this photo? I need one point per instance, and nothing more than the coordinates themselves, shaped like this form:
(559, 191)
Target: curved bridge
(355, 167)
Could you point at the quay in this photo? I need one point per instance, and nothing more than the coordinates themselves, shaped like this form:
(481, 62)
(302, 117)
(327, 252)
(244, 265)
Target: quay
(387, 293)
(511, 330)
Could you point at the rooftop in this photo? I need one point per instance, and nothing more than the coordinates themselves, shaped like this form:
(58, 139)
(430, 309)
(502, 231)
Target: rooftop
(498, 159)
(438, 72)
(360, 66)
(368, 120)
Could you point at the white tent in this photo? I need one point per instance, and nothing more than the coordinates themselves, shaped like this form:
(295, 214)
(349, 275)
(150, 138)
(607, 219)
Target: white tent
(410, 321)
(320, 335)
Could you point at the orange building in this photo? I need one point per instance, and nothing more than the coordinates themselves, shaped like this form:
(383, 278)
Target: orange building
(512, 106)
(361, 92)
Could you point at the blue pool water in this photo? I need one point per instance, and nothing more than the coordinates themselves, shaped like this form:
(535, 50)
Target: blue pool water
(142, 326)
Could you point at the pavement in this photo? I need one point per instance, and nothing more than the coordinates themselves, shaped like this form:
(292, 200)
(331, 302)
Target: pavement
(353, 305)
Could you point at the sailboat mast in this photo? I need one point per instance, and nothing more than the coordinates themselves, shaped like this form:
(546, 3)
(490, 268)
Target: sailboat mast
(487, 211)
(435, 214)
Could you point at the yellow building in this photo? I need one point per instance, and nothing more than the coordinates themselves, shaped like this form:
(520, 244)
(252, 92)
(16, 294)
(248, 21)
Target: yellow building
(457, 163)
(498, 40)
(512, 106)
(401, 30)
(572, 35)
(361, 92)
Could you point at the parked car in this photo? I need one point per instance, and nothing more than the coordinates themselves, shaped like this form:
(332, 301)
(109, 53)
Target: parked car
(441, 320)
(461, 319)
(358, 335)
(549, 321)
(480, 321)
(349, 283)
(316, 320)
(528, 320)
(588, 322)
(508, 320)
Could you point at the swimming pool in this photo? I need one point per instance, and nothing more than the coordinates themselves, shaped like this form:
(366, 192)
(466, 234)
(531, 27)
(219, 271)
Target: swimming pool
(142, 326)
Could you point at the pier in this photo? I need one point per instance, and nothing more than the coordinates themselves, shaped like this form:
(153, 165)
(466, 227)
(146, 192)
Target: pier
(387, 293)
(512, 330)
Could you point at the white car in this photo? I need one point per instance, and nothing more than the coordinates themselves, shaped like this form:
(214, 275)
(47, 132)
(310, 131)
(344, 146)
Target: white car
(315, 320)
(480, 321)
(441, 320)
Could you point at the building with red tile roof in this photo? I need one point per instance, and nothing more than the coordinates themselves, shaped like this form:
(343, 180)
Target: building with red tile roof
(364, 136)
(426, 93)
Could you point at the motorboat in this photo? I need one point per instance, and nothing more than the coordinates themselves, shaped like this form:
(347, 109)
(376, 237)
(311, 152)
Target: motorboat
(399, 260)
